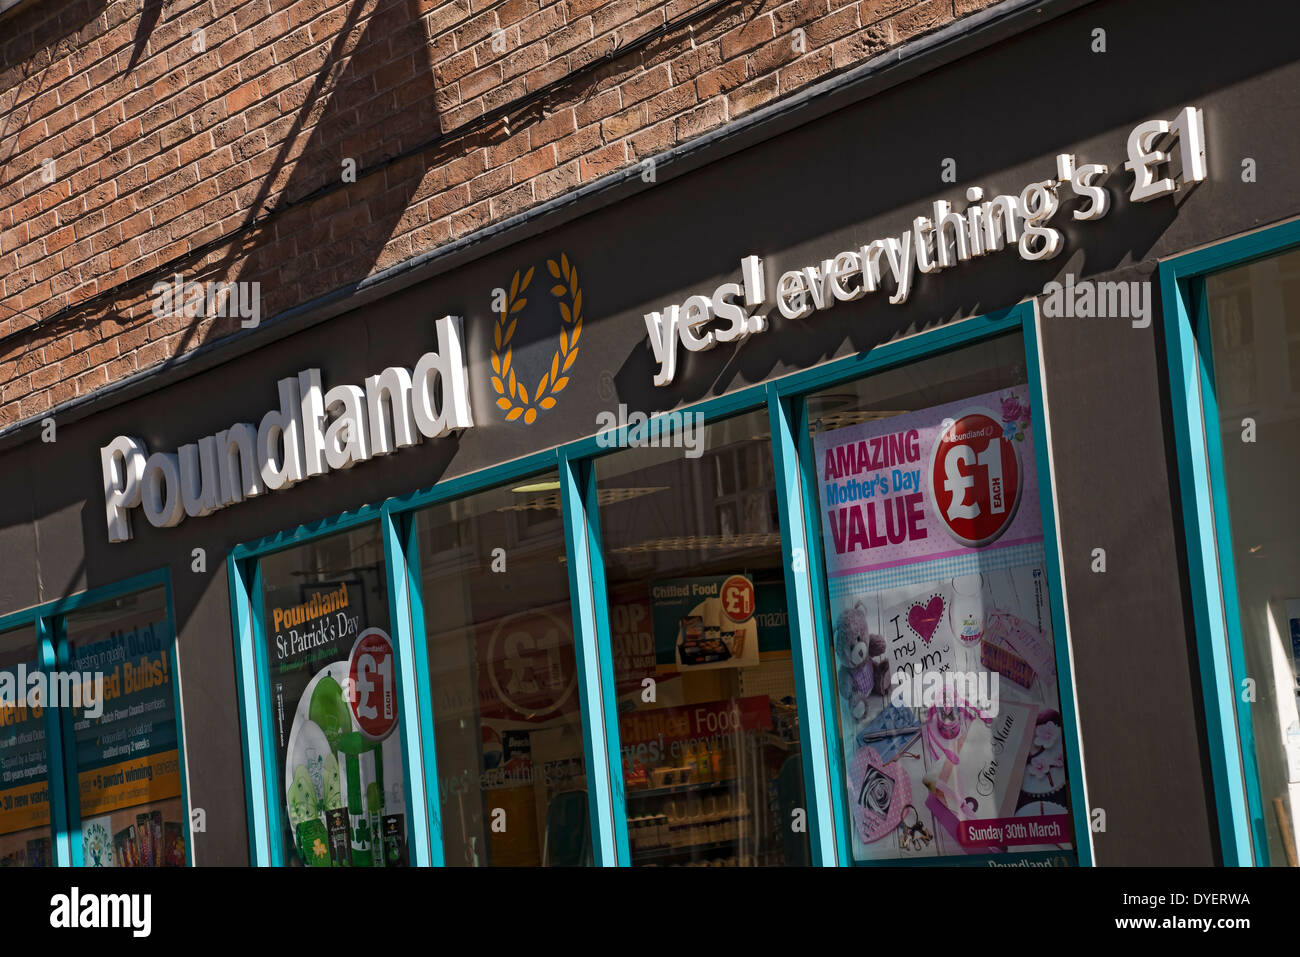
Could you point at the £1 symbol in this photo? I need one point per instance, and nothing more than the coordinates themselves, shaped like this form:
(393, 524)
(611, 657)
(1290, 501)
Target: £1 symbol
(370, 671)
(957, 484)
(737, 595)
(365, 667)
(975, 478)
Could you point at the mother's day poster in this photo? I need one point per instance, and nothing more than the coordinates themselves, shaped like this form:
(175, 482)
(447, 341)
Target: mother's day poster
(949, 706)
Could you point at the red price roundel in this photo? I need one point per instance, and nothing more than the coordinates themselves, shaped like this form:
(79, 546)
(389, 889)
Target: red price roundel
(737, 598)
(975, 478)
(372, 674)
(531, 664)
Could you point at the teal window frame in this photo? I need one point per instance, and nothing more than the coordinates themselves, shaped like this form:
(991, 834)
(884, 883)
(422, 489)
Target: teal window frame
(1211, 567)
(65, 796)
(783, 401)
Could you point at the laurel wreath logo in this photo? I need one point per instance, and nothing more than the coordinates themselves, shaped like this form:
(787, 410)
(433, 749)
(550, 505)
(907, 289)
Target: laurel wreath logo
(513, 396)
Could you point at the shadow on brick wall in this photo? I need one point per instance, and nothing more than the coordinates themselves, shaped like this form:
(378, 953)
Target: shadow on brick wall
(319, 227)
(367, 97)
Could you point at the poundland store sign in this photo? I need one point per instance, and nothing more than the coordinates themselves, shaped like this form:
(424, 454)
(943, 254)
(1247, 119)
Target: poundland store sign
(394, 410)
(313, 432)
(933, 243)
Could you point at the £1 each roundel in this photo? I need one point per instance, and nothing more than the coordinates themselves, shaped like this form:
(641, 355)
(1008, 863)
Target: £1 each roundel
(975, 478)
(372, 675)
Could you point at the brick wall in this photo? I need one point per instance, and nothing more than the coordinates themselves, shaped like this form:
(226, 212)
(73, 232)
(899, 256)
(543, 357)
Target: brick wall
(213, 137)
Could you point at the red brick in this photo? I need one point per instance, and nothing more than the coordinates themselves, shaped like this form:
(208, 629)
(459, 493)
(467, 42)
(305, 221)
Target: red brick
(621, 124)
(921, 19)
(553, 127)
(586, 140)
(549, 72)
(468, 220)
(805, 70)
(646, 85)
(604, 160)
(556, 182)
(721, 79)
(752, 95)
(564, 40)
(839, 24)
(656, 139)
(670, 103)
(745, 38)
(512, 201)
(489, 184)
(598, 107)
(862, 46)
(480, 81)
(701, 119)
(798, 13)
(539, 25)
(533, 164)
(873, 11)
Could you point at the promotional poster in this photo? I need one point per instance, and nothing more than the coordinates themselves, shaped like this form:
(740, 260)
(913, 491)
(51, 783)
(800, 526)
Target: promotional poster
(336, 725)
(943, 633)
(128, 761)
(706, 623)
(24, 782)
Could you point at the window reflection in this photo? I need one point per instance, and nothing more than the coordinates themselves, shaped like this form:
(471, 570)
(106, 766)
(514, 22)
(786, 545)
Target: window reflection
(511, 772)
(1255, 345)
(708, 719)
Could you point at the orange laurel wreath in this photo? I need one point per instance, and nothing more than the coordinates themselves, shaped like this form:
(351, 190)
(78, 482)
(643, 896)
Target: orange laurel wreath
(513, 395)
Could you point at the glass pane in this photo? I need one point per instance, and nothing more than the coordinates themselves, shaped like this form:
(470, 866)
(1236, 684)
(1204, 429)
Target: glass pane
(24, 772)
(931, 531)
(333, 677)
(692, 550)
(511, 773)
(127, 760)
(1257, 378)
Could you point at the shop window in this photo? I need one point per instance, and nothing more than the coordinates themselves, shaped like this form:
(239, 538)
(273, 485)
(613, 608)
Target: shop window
(341, 799)
(127, 766)
(930, 527)
(708, 723)
(24, 763)
(1256, 380)
(503, 675)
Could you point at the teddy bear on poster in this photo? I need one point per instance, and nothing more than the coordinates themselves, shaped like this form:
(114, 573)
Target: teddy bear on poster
(863, 661)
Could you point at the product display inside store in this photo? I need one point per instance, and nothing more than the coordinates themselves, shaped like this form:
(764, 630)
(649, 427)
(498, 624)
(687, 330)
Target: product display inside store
(504, 682)
(708, 728)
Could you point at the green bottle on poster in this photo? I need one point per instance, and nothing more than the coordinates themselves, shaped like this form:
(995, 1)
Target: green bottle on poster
(352, 746)
(329, 710)
(375, 806)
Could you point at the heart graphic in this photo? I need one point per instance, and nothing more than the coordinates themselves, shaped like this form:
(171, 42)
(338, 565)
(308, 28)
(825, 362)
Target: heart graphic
(924, 619)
